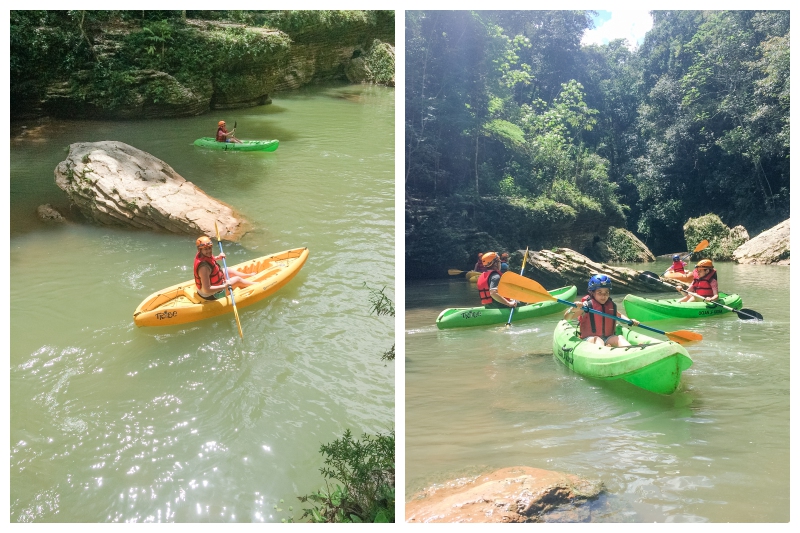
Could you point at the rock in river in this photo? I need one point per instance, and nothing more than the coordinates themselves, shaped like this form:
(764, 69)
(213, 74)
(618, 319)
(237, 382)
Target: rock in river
(516, 494)
(114, 183)
(768, 248)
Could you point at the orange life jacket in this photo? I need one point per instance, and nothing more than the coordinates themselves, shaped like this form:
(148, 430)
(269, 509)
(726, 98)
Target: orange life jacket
(483, 286)
(591, 323)
(216, 277)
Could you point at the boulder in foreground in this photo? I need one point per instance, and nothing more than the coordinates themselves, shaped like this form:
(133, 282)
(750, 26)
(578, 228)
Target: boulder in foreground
(515, 494)
(114, 183)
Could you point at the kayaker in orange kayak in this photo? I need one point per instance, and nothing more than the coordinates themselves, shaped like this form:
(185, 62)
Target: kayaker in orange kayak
(209, 277)
(704, 284)
(678, 266)
(479, 264)
(224, 136)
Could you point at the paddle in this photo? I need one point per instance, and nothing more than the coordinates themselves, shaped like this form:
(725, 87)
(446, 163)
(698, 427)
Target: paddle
(230, 289)
(454, 272)
(521, 271)
(521, 288)
(744, 314)
(702, 245)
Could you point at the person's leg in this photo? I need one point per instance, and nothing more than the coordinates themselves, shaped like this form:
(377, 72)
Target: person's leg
(232, 273)
(240, 283)
(617, 341)
(595, 340)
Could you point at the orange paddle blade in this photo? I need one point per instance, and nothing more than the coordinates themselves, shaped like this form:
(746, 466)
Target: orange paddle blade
(454, 272)
(522, 289)
(683, 336)
(702, 245)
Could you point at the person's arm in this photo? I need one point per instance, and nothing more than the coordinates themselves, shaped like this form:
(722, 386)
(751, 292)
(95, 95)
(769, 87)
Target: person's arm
(715, 289)
(497, 296)
(574, 311)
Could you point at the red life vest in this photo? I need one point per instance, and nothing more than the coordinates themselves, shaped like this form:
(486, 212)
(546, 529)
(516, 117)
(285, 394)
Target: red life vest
(593, 325)
(221, 132)
(216, 277)
(702, 286)
(483, 286)
(677, 266)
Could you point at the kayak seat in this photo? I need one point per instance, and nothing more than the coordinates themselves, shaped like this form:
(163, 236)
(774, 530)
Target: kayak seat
(191, 294)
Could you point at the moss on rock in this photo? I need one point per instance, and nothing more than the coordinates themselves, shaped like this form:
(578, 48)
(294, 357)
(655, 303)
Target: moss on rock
(723, 241)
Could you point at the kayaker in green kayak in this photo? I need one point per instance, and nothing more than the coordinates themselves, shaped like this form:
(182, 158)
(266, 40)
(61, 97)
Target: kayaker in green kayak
(488, 282)
(704, 284)
(594, 328)
(224, 136)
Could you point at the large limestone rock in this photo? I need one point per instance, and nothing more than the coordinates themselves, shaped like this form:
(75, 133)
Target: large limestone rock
(516, 494)
(562, 266)
(722, 239)
(768, 248)
(114, 183)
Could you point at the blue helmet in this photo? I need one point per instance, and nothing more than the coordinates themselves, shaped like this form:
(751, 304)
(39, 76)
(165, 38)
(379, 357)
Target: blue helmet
(676, 257)
(600, 281)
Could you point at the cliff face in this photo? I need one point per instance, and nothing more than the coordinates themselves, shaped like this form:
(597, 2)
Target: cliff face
(233, 75)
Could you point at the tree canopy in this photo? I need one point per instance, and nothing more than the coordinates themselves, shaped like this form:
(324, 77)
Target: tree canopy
(508, 106)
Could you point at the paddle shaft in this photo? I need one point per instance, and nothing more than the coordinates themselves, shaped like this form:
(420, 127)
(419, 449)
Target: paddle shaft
(521, 271)
(230, 289)
(629, 322)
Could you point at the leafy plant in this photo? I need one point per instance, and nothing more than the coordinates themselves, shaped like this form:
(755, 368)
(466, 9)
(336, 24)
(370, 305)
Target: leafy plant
(365, 470)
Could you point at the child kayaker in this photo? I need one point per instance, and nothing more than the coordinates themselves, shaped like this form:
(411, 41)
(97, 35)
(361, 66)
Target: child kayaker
(595, 328)
(479, 264)
(677, 265)
(488, 282)
(224, 136)
(209, 277)
(704, 284)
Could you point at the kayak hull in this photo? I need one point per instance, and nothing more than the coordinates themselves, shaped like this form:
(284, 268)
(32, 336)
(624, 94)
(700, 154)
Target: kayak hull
(652, 364)
(645, 309)
(686, 277)
(244, 146)
(463, 317)
(180, 304)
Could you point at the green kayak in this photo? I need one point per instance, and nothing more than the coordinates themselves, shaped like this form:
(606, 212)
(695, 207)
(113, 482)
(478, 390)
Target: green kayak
(463, 317)
(652, 364)
(244, 146)
(645, 309)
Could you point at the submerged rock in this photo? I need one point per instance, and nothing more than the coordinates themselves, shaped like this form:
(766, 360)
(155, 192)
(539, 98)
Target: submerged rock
(768, 248)
(515, 494)
(114, 183)
(49, 213)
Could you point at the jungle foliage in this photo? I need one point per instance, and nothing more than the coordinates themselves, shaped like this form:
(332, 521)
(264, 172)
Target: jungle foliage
(105, 51)
(509, 106)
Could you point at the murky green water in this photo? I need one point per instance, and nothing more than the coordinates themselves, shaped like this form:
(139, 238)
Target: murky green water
(110, 422)
(717, 450)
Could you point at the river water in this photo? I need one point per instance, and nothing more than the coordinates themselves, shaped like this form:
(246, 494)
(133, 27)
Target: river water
(114, 423)
(717, 450)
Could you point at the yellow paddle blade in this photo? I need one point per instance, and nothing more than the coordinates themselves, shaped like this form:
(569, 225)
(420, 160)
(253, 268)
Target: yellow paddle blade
(217, 229)
(524, 258)
(454, 272)
(522, 289)
(683, 336)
